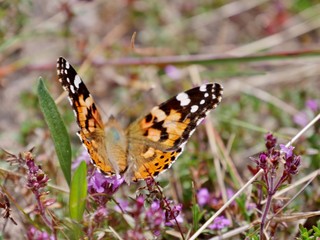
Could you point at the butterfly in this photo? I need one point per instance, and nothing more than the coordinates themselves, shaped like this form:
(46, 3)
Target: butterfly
(150, 144)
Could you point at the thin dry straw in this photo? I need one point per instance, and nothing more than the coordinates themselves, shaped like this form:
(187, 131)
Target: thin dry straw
(204, 226)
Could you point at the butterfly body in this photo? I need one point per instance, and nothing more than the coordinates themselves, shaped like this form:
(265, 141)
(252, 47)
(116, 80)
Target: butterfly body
(151, 143)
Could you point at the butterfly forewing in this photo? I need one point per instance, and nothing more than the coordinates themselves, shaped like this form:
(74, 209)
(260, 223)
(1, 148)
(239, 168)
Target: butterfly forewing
(88, 118)
(165, 130)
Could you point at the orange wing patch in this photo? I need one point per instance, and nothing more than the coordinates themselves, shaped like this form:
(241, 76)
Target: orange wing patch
(160, 162)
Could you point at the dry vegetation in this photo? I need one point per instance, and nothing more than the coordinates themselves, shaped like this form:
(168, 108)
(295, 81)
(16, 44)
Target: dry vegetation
(135, 54)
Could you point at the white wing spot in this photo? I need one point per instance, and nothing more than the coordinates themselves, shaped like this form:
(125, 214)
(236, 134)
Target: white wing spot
(67, 65)
(77, 81)
(206, 94)
(214, 96)
(183, 98)
(68, 80)
(183, 145)
(194, 108)
(203, 88)
(199, 121)
(70, 100)
(191, 132)
(65, 71)
(202, 101)
(72, 89)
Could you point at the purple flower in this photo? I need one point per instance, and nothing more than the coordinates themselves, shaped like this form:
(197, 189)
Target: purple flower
(96, 182)
(174, 212)
(172, 72)
(270, 141)
(122, 205)
(36, 179)
(35, 234)
(84, 156)
(100, 214)
(250, 206)
(288, 151)
(99, 183)
(312, 104)
(301, 119)
(230, 193)
(203, 197)
(292, 164)
(219, 223)
(155, 215)
(134, 234)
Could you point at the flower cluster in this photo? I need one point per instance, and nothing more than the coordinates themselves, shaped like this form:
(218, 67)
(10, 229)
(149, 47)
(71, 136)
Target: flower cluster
(34, 233)
(5, 205)
(303, 117)
(220, 223)
(37, 181)
(270, 159)
(152, 216)
(274, 175)
(214, 201)
(151, 212)
(205, 198)
(102, 188)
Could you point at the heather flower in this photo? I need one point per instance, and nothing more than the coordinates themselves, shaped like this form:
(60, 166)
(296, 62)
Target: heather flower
(100, 214)
(288, 151)
(230, 193)
(312, 104)
(102, 187)
(270, 141)
(173, 212)
(35, 234)
(5, 205)
(272, 176)
(292, 164)
(99, 183)
(172, 72)
(84, 156)
(301, 119)
(134, 234)
(250, 206)
(122, 205)
(37, 180)
(155, 217)
(203, 197)
(220, 223)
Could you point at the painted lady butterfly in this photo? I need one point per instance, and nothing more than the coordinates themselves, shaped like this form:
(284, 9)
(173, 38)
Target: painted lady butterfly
(150, 144)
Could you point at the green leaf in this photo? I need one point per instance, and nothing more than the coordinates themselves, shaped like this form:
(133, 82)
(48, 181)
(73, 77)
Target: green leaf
(57, 128)
(78, 192)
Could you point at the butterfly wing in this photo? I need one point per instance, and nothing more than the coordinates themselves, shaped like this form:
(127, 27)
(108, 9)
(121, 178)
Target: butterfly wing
(156, 140)
(91, 132)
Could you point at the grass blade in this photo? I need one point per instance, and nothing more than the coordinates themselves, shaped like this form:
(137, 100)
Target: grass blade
(78, 192)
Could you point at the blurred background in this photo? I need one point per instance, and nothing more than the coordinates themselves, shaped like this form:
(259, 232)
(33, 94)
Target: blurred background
(265, 53)
(135, 54)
